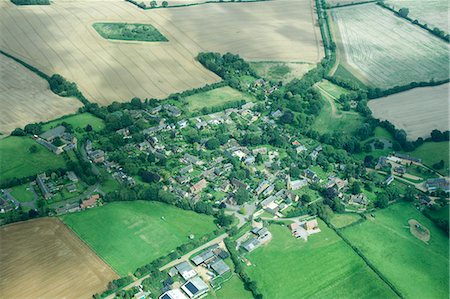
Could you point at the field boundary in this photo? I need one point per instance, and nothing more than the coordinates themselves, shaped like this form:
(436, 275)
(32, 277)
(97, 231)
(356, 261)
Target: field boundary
(351, 4)
(28, 66)
(191, 4)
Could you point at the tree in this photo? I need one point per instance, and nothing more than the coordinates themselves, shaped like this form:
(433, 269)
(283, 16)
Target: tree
(241, 196)
(439, 165)
(88, 128)
(223, 220)
(382, 201)
(403, 12)
(149, 177)
(356, 188)
(18, 132)
(165, 3)
(33, 149)
(212, 144)
(153, 4)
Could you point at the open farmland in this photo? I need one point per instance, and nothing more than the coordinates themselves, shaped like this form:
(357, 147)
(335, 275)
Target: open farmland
(383, 50)
(42, 258)
(323, 267)
(434, 13)
(107, 71)
(128, 235)
(417, 269)
(26, 98)
(417, 111)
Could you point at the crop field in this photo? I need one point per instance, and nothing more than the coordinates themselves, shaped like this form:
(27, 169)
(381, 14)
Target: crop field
(433, 152)
(107, 70)
(288, 268)
(434, 13)
(126, 31)
(216, 97)
(128, 235)
(26, 98)
(417, 111)
(42, 258)
(16, 160)
(383, 50)
(281, 71)
(387, 242)
(80, 121)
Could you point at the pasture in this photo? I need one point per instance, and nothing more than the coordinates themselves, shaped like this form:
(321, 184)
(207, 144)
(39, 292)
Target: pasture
(288, 268)
(343, 220)
(417, 111)
(128, 235)
(216, 98)
(434, 13)
(387, 242)
(433, 152)
(16, 161)
(281, 71)
(78, 121)
(109, 70)
(383, 50)
(42, 258)
(26, 98)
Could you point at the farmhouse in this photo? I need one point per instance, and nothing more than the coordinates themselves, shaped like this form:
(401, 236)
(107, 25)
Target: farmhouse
(89, 203)
(41, 181)
(195, 287)
(52, 134)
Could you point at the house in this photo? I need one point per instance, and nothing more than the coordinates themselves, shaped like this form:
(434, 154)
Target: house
(239, 184)
(91, 202)
(195, 287)
(199, 186)
(269, 190)
(71, 188)
(359, 199)
(311, 176)
(260, 150)
(311, 225)
(97, 156)
(190, 159)
(187, 169)
(437, 184)
(400, 169)
(203, 257)
(144, 145)
(297, 184)
(388, 180)
(173, 294)
(304, 229)
(41, 181)
(72, 176)
(185, 270)
(300, 149)
(220, 267)
(141, 295)
(266, 202)
(262, 186)
(182, 124)
(54, 133)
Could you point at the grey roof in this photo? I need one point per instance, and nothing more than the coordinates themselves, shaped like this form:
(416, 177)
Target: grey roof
(183, 267)
(220, 267)
(53, 133)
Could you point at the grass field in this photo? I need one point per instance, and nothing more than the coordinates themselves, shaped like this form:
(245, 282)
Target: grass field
(383, 57)
(216, 97)
(343, 73)
(42, 258)
(22, 193)
(417, 269)
(80, 120)
(433, 152)
(26, 98)
(281, 71)
(417, 111)
(323, 267)
(343, 220)
(128, 235)
(332, 89)
(17, 161)
(126, 31)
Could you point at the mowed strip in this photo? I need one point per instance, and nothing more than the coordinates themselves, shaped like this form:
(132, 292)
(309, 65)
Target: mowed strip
(26, 98)
(383, 50)
(42, 258)
(128, 235)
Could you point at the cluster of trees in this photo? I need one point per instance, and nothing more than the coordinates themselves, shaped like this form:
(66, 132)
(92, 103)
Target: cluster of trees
(115, 285)
(31, 2)
(64, 88)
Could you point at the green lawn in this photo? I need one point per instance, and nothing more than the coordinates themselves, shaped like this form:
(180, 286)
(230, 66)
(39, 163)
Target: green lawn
(22, 193)
(128, 235)
(16, 161)
(433, 152)
(343, 73)
(333, 89)
(80, 120)
(127, 31)
(108, 183)
(323, 267)
(343, 220)
(216, 97)
(418, 270)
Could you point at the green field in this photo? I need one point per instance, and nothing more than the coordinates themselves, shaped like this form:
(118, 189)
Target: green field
(433, 152)
(343, 73)
(417, 269)
(22, 193)
(332, 89)
(126, 31)
(323, 267)
(343, 220)
(215, 98)
(128, 235)
(281, 71)
(77, 121)
(16, 161)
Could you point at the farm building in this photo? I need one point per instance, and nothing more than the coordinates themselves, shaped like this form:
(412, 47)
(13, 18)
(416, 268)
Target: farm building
(89, 203)
(195, 287)
(173, 294)
(203, 257)
(52, 134)
(437, 184)
(220, 267)
(303, 230)
(185, 270)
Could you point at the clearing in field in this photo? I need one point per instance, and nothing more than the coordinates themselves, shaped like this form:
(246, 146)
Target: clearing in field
(387, 242)
(434, 13)
(323, 267)
(417, 111)
(26, 98)
(130, 32)
(128, 235)
(383, 50)
(281, 71)
(42, 258)
(216, 98)
(107, 71)
(16, 161)
(419, 231)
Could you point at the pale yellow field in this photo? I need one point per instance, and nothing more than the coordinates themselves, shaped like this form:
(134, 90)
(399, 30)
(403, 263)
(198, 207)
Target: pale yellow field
(42, 258)
(26, 98)
(417, 111)
(60, 39)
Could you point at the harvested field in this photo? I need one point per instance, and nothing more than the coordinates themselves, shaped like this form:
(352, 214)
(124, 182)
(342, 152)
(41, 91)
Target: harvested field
(26, 98)
(383, 50)
(434, 13)
(107, 71)
(417, 111)
(42, 258)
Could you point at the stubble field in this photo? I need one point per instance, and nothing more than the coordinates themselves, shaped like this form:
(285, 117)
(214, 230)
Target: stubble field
(383, 50)
(417, 111)
(59, 38)
(26, 98)
(42, 258)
